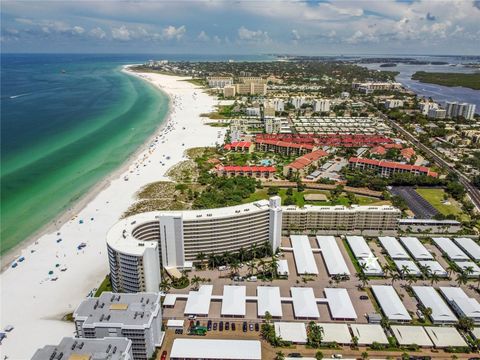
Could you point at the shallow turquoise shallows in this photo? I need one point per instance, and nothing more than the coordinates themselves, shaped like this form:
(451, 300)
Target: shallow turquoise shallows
(67, 121)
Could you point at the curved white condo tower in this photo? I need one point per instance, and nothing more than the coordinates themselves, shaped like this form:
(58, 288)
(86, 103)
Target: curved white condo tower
(138, 244)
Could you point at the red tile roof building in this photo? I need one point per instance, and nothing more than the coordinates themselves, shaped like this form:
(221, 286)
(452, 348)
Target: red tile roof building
(301, 164)
(407, 153)
(251, 171)
(243, 146)
(283, 147)
(378, 150)
(388, 168)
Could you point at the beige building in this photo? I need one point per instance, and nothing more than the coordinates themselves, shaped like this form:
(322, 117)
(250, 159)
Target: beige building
(252, 80)
(229, 91)
(340, 219)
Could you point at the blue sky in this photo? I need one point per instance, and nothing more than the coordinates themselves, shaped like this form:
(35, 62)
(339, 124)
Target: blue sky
(243, 27)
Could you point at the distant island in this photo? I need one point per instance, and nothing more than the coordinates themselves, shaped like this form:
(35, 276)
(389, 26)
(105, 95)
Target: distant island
(471, 81)
(388, 65)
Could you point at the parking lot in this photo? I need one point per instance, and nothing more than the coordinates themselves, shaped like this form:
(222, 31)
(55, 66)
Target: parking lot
(419, 206)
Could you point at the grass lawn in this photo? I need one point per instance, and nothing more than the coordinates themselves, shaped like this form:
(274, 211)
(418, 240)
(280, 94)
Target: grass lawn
(299, 200)
(436, 196)
(104, 286)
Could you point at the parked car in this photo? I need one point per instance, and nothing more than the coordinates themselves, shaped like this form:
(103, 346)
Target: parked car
(192, 317)
(233, 327)
(227, 325)
(220, 326)
(209, 325)
(295, 355)
(251, 327)
(245, 326)
(164, 355)
(214, 326)
(363, 297)
(257, 327)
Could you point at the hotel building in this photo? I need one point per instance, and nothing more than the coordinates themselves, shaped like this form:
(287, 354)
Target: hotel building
(177, 237)
(87, 349)
(136, 317)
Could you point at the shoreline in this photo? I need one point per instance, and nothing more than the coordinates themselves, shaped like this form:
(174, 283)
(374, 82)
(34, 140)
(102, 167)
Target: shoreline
(82, 201)
(56, 276)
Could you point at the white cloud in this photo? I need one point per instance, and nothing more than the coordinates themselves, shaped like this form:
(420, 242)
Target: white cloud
(251, 35)
(121, 33)
(295, 35)
(171, 32)
(98, 33)
(203, 36)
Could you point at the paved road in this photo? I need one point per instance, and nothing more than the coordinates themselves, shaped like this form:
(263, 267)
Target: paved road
(472, 191)
(420, 207)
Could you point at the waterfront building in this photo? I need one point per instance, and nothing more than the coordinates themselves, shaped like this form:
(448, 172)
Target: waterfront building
(455, 109)
(241, 146)
(183, 235)
(436, 113)
(71, 348)
(219, 81)
(136, 317)
(369, 87)
(426, 106)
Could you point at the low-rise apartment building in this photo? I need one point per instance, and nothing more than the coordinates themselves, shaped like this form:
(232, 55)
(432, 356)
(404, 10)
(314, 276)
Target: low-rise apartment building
(302, 164)
(219, 81)
(389, 168)
(249, 171)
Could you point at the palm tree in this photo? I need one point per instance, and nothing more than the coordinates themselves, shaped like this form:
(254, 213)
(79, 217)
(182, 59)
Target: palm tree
(405, 271)
(241, 254)
(201, 258)
(254, 250)
(395, 277)
(427, 312)
(363, 278)
(434, 278)
(462, 279)
(234, 266)
(212, 261)
(364, 355)
(165, 285)
(450, 270)
(195, 281)
(227, 258)
(279, 355)
(251, 267)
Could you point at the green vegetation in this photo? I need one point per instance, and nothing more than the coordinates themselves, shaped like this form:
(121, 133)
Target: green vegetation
(471, 81)
(436, 197)
(298, 197)
(223, 191)
(106, 285)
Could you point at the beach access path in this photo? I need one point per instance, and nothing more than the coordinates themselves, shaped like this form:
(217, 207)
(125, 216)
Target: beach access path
(37, 293)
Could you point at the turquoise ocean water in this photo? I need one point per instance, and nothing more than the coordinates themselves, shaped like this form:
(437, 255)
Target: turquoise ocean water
(67, 121)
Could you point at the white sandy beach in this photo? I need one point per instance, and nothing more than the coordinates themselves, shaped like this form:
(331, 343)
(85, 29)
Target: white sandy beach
(30, 300)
